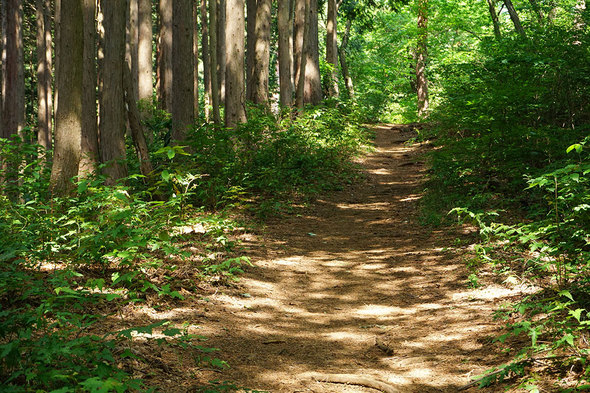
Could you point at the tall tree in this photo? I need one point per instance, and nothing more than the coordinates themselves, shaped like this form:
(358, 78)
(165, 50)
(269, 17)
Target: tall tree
(112, 105)
(343, 61)
(221, 46)
(132, 40)
(299, 25)
(196, 59)
(206, 62)
(69, 78)
(213, 61)
(494, 16)
(301, 71)
(261, 48)
(182, 68)
(44, 77)
(313, 82)
(14, 83)
(422, 57)
(250, 45)
(165, 55)
(235, 111)
(285, 55)
(515, 18)
(144, 50)
(89, 138)
(332, 46)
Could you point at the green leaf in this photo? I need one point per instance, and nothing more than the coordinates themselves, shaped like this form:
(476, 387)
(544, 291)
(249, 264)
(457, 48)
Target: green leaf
(577, 314)
(566, 294)
(171, 153)
(165, 175)
(576, 146)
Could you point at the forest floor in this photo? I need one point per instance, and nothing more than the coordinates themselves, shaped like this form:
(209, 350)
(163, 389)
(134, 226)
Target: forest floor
(349, 284)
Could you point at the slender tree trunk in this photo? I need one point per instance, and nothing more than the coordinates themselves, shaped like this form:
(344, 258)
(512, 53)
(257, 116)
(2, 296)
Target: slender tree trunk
(313, 82)
(68, 119)
(206, 63)
(260, 74)
(183, 106)
(251, 6)
(285, 83)
(422, 58)
(300, 82)
(221, 47)
(14, 82)
(165, 56)
(343, 62)
(132, 41)
(144, 50)
(332, 46)
(494, 16)
(44, 83)
(514, 17)
(89, 137)
(112, 105)
(137, 130)
(235, 111)
(196, 60)
(213, 61)
(299, 25)
(2, 72)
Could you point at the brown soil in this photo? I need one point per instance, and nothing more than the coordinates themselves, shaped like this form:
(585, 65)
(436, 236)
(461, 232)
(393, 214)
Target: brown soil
(351, 284)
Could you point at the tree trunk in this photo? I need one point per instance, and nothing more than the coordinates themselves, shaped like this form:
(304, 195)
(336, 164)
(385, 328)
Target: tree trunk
(422, 58)
(144, 50)
(332, 46)
(14, 82)
(196, 60)
(132, 40)
(251, 6)
(300, 78)
(2, 70)
(221, 47)
(494, 16)
(44, 83)
(235, 111)
(344, 62)
(137, 130)
(260, 74)
(165, 56)
(514, 17)
(112, 105)
(313, 82)
(183, 105)
(206, 63)
(299, 25)
(213, 61)
(89, 137)
(285, 83)
(68, 119)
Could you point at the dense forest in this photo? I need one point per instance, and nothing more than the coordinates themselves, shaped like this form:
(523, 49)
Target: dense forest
(141, 139)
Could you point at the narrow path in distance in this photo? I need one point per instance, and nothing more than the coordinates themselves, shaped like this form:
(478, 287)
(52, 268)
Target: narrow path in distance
(353, 284)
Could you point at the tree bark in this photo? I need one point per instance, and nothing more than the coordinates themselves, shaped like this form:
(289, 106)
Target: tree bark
(299, 25)
(44, 82)
(132, 41)
(300, 74)
(14, 82)
(514, 16)
(343, 62)
(206, 63)
(196, 60)
(144, 50)
(251, 6)
(422, 58)
(2, 69)
(221, 47)
(494, 16)
(213, 61)
(89, 138)
(313, 83)
(235, 112)
(332, 46)
(112, 105)
(165, 56)
(68, 119)
(285, 83)
(260, 74)
(183, 105)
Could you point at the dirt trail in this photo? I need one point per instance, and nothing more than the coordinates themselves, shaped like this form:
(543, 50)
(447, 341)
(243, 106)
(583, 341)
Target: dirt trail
(355, 269)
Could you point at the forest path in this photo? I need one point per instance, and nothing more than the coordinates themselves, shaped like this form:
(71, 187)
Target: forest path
(355, 269)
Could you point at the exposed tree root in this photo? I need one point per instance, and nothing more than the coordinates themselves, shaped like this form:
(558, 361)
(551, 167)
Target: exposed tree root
(352, 379)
